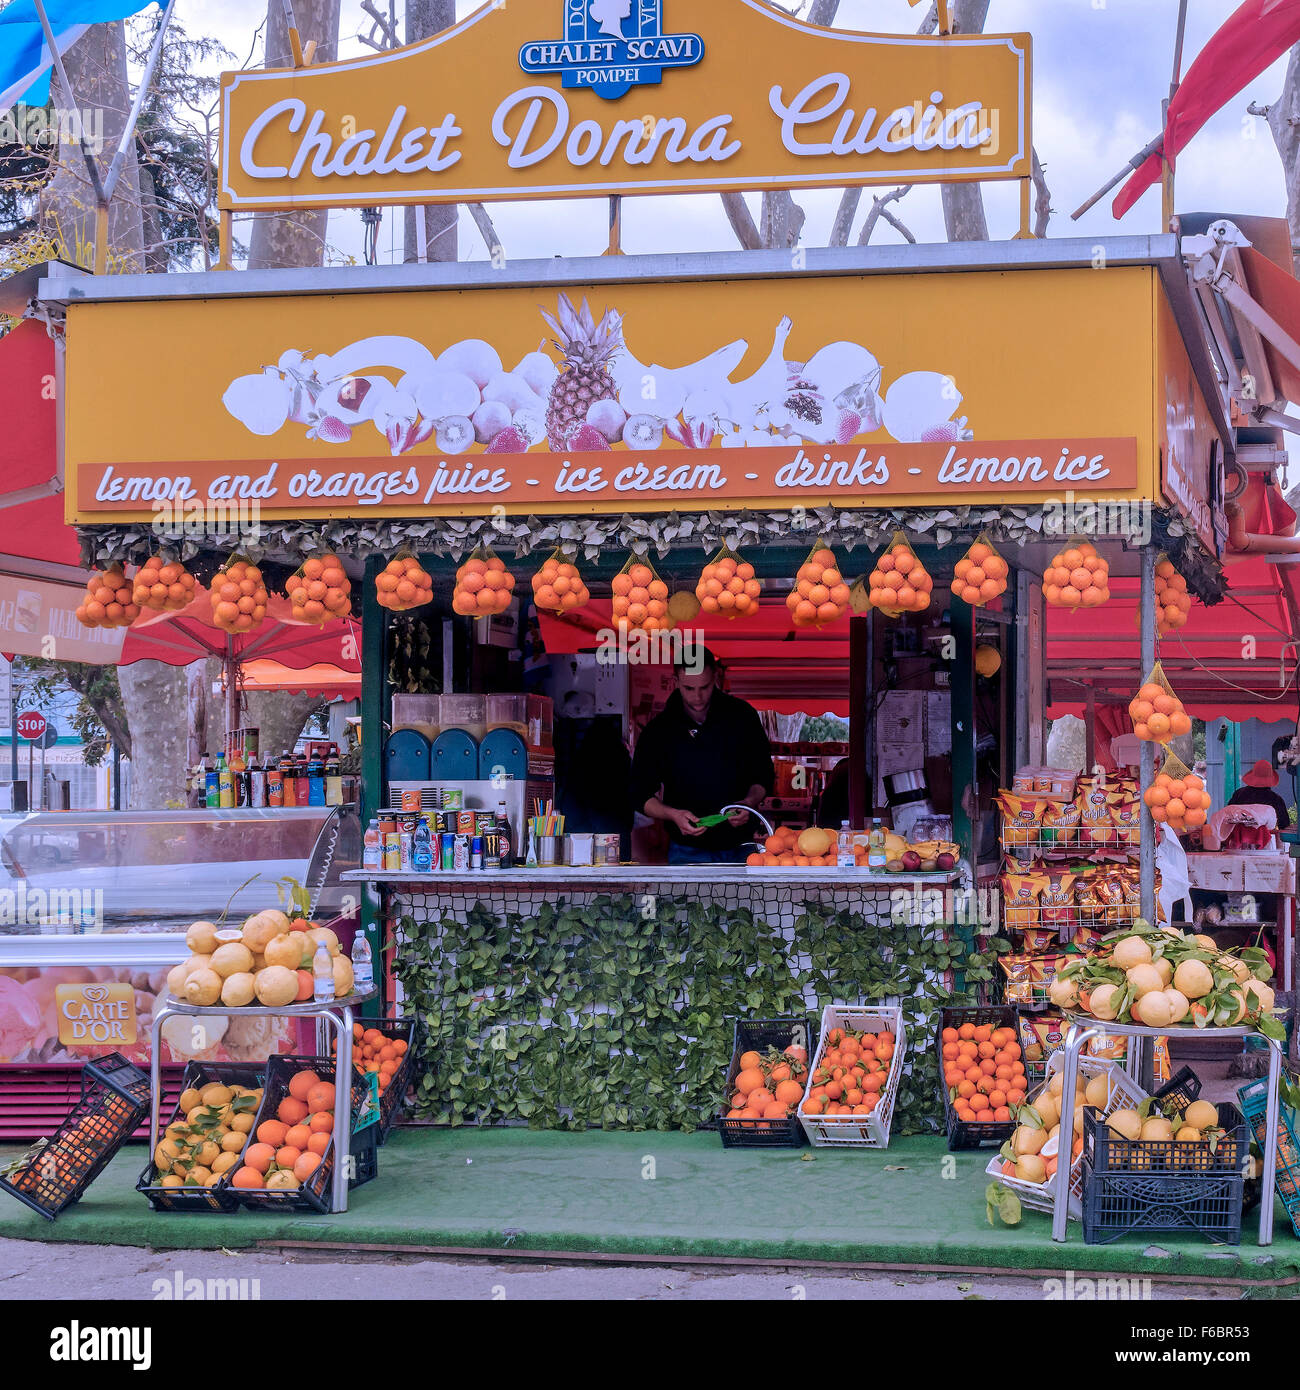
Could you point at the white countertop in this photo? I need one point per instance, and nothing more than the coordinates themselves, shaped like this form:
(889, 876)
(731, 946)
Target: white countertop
(538, 879)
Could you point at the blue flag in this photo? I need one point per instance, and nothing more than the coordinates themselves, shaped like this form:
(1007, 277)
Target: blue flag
(25, 59)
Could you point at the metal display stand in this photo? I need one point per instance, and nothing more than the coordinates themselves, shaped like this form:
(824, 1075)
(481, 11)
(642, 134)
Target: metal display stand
(1082, 1028)
(336, 1013)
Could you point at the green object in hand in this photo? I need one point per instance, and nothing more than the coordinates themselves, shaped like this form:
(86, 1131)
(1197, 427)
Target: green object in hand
(708, 822)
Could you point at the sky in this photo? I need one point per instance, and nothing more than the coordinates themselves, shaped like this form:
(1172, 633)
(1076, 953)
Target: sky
(1101, 69)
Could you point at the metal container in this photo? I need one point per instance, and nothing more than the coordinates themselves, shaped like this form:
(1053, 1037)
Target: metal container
(447, 852)
(550, 851)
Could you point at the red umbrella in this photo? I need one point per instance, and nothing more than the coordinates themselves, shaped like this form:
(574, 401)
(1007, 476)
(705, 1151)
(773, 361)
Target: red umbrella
(188, 634)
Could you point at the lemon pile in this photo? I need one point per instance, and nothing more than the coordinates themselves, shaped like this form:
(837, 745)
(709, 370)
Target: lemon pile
(197, 1150)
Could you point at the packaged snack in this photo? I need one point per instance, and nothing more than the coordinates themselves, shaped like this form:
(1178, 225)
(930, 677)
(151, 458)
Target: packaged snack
(1059, 822)
(1021, 817)
(1040, 1035)
(1114, 1048)
(1062, 782)
(1085, 937)
(1028, 977)
(1125, 812)
(1040, 938)
(1020, 899)
(1056, 901)
(1096, 827)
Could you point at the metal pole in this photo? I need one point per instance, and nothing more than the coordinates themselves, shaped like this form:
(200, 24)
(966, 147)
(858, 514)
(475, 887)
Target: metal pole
(13, 729)
(115, 169)
(1135, 163)
(1089, 731)
(859, 695)
(1147, 861)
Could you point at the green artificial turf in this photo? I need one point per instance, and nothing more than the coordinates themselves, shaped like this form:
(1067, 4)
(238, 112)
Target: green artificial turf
(664, 1195)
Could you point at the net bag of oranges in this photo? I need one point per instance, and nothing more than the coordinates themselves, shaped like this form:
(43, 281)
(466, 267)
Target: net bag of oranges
(484, 586)
(164, 586)
(899, 583)
(238, 596)
(1177, 797)
(1077, 577)
(640, 598)
(558, 587)
(820, 595)
(1157, 713)
(320, 590)
(981, 574)
(727, 585)
(1173, 602)
(109, 601)
(403, 584)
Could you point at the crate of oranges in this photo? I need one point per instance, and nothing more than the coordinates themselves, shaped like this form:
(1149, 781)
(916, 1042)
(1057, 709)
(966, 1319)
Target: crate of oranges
(385, 1046)
(114, 1099)
(983, 1074)
(855, 1074)
(765, 1083)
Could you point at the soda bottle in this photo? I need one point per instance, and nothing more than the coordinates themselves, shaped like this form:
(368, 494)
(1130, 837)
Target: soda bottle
(322, 973)
(363, 970)
(288, 780)
(211, 786)
(315, 781)
(505, 854)
(333, 777)
(372, 853)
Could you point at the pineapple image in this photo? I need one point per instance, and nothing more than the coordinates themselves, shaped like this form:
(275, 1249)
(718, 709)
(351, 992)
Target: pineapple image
(584, 379)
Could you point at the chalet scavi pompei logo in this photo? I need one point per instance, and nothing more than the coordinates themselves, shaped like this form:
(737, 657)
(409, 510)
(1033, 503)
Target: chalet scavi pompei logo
(611, 46)
(758, 99)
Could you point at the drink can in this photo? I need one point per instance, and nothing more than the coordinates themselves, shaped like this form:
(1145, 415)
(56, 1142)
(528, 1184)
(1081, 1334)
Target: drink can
(392, 852)
(453, 798)
(411, 801)
(406, 845)
(465, 823)
(447, 844)
(476, 852)
(461, 854)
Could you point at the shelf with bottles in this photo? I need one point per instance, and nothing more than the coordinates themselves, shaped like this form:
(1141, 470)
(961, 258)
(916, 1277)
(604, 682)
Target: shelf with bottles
(244, 777)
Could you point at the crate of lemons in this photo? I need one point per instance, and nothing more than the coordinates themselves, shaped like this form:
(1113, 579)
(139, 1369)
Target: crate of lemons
(202, 1146)
(267, 961)
(1161, 977)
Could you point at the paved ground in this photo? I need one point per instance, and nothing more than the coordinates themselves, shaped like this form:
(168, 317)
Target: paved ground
(33, 1270)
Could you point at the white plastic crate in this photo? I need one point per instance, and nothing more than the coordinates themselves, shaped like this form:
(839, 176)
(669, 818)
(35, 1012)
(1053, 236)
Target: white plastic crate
(859, 1131)
(1123, 1092)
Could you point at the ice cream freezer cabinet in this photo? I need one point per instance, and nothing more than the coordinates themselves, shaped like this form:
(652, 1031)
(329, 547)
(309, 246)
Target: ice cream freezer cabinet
(93, 913)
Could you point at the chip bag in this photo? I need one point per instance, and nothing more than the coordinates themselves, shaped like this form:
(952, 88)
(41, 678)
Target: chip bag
(1021, 817)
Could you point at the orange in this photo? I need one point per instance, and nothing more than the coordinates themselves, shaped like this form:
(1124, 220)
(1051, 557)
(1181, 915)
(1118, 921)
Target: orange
(967, 1030)
(247, 1177)
(789, 1092)
(318, 1143)
(291, 1111)
(749, 1059)
(272, 1132)
(287, 1156)
(749, 1079)
(297, 1137)
(306, 1165)
(320, 1097)
(257, 1157)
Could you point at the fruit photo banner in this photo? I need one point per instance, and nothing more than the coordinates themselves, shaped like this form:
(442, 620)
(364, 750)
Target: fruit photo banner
(642, 396)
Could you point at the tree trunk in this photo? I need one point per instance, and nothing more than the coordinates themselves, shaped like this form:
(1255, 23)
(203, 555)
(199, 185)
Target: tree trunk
(1284, 122)
(96, 68)
(963, 203)
(441, 239)
(297, 238)
(278, 717)
(153, 696)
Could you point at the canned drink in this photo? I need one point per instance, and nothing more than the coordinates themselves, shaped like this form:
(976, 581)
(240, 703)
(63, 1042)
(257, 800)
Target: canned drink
(461, 854)
(392, 852)
(476, 852)
(453, 798)
(447, 843)
(406, 845)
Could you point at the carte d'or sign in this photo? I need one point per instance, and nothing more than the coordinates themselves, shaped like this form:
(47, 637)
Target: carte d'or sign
(571, 98)
(795, 391)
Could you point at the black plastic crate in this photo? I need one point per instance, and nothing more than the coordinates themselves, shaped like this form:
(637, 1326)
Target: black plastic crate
(114, 1099)
(221, 1197)
(1119, 1204)
(963, 1134)
(1107, 1151)
(393, 1100)
(1182, 1088)
(314, 1194)
(758, 1035)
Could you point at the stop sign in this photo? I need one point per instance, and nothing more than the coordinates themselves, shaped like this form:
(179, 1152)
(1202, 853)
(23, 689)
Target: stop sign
(31, 725)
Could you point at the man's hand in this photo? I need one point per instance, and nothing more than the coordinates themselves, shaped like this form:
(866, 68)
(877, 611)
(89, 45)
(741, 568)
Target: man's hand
(740, 816)
(687, 822)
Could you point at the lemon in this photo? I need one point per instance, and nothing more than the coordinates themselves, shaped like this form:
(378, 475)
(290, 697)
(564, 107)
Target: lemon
(1097, 1092)
(189, 1099)
(243, 1124)
(224, 1162)
(1049, 1108)
(1261, 991)
(171, 1180)
(203, 987)
(1101, 1001)
(201, 938)
(1126, 1123)
(1155, 1008)
(1193, 978)
(237, 990)
(1064, 993)
(1189, 1134)
(1027, 1141)
(1200, 1114)
(200, 1174)
(217, 1094)
(1166, 971)
(1145, 979)
(234, 1142)
(1179, 1003)
(1131, 951)
(1031, 1168)
(206, 1153)
(282, 1180)
(1156, 1127)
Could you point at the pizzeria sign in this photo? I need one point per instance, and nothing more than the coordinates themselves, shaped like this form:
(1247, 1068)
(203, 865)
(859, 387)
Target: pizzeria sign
(574, 98)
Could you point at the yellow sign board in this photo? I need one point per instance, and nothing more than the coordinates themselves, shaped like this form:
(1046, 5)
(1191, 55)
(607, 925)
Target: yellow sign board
(574, 98)
(96, 1015)
(800, 390)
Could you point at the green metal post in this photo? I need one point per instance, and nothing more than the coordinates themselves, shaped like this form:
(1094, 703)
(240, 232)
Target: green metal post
(374, 680)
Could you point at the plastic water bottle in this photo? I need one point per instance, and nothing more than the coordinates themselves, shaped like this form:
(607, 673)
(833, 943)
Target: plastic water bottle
(363, 968)
(322, 969)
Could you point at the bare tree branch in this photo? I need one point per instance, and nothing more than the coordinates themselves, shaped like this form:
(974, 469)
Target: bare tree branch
(742, 222)
(1042, 198)
(844, 216)
(488, 231)
(384, 25)
(880, 209)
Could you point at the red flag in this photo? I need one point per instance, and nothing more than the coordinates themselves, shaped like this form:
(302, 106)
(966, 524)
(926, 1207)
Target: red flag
(1257, 34)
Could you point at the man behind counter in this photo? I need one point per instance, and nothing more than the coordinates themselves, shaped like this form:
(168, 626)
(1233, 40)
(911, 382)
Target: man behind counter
(705, 751)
